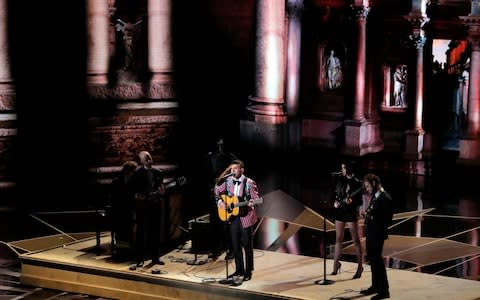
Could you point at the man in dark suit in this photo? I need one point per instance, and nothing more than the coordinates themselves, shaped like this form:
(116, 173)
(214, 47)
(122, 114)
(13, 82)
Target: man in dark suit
(149, 190)
(378, 217)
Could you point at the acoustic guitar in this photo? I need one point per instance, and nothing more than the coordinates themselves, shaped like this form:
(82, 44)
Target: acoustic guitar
(232, 206)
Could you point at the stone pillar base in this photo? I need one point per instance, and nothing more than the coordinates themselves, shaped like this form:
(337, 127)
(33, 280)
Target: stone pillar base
(262, 135)
(294, 135)
(362, 137)
(7, 97)
(417, 167)
(417, 152)
(97, 79)
(164, 77)
(162, 91)
(469, 149)
(414, 144)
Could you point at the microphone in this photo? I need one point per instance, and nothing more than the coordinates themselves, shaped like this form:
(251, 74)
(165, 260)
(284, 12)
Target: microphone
(336, 173)
(228, 175)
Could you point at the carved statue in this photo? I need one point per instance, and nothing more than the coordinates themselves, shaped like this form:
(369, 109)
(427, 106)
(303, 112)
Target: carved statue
(334, 71)
(400, 86)
(129, 31)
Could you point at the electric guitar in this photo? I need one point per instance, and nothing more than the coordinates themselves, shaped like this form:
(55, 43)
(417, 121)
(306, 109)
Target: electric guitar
(176, 182)
(153, 197)
(232, 206)
(340, 202)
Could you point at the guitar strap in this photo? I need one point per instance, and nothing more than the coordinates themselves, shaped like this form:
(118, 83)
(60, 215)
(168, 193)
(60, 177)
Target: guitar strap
(244, 209)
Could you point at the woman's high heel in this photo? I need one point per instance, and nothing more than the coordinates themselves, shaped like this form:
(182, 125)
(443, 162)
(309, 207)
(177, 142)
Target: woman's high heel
(337, 268)
(358, 274)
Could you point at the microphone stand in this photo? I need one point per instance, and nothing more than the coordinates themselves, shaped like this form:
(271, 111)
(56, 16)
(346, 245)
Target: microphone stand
(226, 233)
(324, 281)
(226, 280)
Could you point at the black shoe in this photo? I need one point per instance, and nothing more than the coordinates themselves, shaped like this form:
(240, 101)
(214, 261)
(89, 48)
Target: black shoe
(214, 255)
(229, 255)
(337, 268)
(369, 291)
(381, 295)
(358, 274)
(133, 267)
(237, 273)
(157, 262)
(247, 276)
(156, 271)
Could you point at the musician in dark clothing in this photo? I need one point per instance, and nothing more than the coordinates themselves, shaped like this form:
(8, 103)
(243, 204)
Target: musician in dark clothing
(121, 199)
(378, 217)
(348, 198)
(149, 191)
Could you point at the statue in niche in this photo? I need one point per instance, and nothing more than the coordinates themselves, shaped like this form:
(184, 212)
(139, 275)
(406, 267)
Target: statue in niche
(130, 32)
(334, 71)
(400, 86)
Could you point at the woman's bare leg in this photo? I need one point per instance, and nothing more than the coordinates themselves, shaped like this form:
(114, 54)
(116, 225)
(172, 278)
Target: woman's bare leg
(353, 227)
(339, 233)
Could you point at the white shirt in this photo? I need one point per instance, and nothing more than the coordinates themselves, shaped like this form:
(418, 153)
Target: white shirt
(236, 190)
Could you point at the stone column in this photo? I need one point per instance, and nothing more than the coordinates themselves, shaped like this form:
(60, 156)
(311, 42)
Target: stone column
(473, 109)
(268, 98)
(294, 42)
(386, 85)
(465, 93)
(415, 136)
(419, 42)
(7, 92)
(470, 141)
(294, 9)
(5, 75)
(361, 134)
(8, 116)
(361, 20)
(98, 42)
(266, 116)
(160, 61)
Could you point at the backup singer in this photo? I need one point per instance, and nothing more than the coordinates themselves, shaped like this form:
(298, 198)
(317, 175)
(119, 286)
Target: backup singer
(348, 198)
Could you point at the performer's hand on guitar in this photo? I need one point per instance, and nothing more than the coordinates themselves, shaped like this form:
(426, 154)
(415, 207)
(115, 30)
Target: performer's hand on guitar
(338, 203)
(221, 204)
(161, 189)
(139, 196)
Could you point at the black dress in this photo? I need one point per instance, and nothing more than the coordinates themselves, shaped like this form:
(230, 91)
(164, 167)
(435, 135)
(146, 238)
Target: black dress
(343, 188)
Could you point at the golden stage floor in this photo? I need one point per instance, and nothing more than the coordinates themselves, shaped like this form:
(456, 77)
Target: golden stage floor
(74, 267)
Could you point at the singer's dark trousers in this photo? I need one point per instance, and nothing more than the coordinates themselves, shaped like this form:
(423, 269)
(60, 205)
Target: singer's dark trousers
(242, 239)
(374, 246)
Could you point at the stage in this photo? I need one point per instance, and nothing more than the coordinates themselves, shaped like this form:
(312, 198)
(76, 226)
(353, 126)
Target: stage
(77, 266)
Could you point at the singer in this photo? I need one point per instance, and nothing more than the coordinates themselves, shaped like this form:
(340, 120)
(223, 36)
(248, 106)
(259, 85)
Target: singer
(241, 225)
(348, 198)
